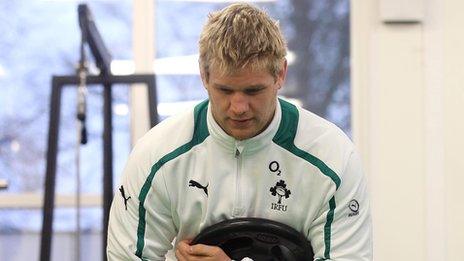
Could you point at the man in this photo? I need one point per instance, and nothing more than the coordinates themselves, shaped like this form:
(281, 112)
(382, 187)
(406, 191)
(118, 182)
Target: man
(242, 153)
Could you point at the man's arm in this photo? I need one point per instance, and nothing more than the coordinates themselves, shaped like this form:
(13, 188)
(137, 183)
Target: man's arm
(140, 225)
(343, 231)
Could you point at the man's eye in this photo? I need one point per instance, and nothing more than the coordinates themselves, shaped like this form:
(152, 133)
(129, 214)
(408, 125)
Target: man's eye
(226, 91)
(253, 91)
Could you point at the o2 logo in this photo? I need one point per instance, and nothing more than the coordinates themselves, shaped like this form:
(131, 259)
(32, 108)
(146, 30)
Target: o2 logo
(274, 167)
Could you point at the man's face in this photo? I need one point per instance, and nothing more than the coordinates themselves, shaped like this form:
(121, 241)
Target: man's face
(243, 103)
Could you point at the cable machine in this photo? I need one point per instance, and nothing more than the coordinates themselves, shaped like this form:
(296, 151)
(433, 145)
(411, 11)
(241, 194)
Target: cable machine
(89, 36)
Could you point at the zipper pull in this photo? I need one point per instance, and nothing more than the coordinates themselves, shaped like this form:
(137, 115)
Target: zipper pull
(238, 149)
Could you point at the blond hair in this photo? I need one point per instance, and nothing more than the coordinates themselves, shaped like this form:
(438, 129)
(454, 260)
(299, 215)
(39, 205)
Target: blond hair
(239, 36)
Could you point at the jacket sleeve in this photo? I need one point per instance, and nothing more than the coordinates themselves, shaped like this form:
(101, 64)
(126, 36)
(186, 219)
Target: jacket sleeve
(343, 230)
(140, 223)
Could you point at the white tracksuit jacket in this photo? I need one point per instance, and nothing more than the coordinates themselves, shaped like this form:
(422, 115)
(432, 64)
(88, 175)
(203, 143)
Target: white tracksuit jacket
(186, 174)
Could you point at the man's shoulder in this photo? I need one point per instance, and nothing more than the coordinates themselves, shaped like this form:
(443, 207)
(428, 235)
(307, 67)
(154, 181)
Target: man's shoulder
(327, 144)
(308, 130)
(316, 130)
(177, 125)
(168, 135)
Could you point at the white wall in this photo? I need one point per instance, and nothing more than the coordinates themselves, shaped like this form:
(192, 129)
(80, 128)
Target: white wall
(453, 119)
(407, 97)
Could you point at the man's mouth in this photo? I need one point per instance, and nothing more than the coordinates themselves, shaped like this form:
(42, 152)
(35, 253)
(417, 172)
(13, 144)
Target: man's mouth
(240, 122)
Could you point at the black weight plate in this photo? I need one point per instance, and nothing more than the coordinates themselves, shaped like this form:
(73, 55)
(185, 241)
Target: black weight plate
(257, 238)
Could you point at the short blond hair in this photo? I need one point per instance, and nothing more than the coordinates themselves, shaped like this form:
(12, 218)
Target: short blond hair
(238, 36)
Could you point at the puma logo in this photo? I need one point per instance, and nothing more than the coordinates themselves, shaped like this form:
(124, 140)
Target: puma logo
(121, 189)
(193, 183)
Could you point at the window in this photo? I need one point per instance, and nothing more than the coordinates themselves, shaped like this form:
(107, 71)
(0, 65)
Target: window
(318, 43)
(41, 39)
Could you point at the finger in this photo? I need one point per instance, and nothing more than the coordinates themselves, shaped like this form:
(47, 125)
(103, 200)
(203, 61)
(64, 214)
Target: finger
(180, 256)
(204, 250)
(184, 248)
(183, 256)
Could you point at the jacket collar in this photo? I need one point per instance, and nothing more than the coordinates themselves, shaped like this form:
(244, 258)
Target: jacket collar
(247, 146)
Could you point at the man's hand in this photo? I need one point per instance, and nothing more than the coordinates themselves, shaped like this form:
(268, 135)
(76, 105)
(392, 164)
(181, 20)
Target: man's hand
(187, 252)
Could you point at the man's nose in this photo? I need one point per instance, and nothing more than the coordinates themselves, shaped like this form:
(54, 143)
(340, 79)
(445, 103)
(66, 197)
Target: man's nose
(239, 104)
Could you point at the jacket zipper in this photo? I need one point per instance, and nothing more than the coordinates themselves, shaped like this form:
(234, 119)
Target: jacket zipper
(237, 211)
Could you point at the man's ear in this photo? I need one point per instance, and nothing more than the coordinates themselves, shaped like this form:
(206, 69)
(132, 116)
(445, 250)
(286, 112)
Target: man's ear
(204, 76)
(282, 74)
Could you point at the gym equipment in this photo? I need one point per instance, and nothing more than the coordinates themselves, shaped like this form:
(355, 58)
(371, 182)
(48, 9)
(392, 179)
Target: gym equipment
(3, 184)
(93, 39)
(257, 238)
